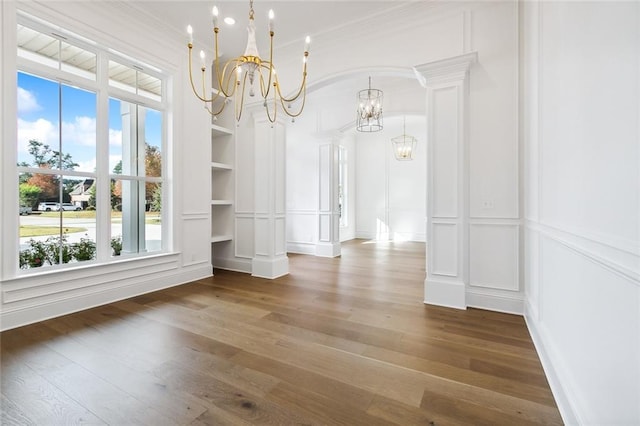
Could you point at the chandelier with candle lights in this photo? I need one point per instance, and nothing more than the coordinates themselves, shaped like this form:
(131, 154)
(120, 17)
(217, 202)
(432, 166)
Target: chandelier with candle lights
(369, 115)
(247, 70)
(404, 145)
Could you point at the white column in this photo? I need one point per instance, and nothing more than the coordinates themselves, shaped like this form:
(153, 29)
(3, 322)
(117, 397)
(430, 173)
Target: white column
(270, 255)
(328, 214)
(447, 87)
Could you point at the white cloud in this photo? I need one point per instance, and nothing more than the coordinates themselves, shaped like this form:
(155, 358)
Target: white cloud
(41, 130)
(27, 101)
(115, 137)
(87, 166)
(81, 132)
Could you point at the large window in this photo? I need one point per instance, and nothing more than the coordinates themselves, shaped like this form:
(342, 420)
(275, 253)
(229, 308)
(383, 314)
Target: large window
(89, 151)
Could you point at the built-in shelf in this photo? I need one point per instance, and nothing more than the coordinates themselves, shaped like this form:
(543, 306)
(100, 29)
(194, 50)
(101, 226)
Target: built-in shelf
(220, 130)
(222, 188)
(221, 166)
(221, 238)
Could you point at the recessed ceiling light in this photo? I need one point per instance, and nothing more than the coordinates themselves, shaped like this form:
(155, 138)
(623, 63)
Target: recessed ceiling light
(229, 20)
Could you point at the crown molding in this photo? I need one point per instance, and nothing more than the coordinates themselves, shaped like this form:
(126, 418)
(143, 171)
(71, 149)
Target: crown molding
(446, 70)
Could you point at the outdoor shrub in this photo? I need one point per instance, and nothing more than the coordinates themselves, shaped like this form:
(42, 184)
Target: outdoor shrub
(84, 250)
(116, 245)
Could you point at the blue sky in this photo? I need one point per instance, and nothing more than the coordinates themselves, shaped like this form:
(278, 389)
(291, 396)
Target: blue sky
(38, 119)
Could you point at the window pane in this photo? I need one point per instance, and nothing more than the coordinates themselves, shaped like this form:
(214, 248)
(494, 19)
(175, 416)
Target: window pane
(38, 120)
(38, 47)
(153, 142)
(122, 77)
(54, 52)
(78, 61)
(124, 137)
(153, 217)
(134, 80)
(136, 216)
(149, 86)
(78, 130)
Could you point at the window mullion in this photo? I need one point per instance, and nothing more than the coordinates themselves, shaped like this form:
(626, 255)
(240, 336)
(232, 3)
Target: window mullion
(103, 184)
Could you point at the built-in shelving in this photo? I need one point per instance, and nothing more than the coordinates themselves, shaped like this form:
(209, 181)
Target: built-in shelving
(222, 185)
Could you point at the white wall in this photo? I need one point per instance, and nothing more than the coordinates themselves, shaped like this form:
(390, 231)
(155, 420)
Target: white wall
(391, 194)
(581, 128)
(34, 297)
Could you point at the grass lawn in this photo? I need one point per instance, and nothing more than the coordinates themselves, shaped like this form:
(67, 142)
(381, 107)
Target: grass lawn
(39, 231)
(150, 217)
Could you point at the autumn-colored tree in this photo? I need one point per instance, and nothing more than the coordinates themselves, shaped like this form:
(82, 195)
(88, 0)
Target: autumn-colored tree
(48, 184)
(153, 167)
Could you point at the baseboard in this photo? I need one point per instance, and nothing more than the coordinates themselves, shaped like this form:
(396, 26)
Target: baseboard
(301, 248)
(236, 265)
(270, 268)
(445, 293)
(548, 360)
(498, 303)
(19, 317)
(328, 249)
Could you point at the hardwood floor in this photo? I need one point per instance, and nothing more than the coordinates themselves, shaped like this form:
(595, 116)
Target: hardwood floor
(338, 341)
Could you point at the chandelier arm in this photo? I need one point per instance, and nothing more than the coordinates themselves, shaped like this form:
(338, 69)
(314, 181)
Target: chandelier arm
(227, 75)
(239, 109)
(210, 110)
(275, 109)
(264, 93)
(270, 64)
(216, 65)
(303, 86)
(213, 98)
(295, 114)
(203, 98)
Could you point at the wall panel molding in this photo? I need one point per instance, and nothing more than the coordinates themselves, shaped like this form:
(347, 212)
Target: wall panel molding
(494, 256)
(626, 265)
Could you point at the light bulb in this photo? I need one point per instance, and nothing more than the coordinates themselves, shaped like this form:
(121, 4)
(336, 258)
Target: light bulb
(215, 16)
(271, 16)
(190, 32)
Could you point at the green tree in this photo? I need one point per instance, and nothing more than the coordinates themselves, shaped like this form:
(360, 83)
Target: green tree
(29, 195)
(117, 169)
(92, 196)
(44, 156)
(156, 200)
(153, 167)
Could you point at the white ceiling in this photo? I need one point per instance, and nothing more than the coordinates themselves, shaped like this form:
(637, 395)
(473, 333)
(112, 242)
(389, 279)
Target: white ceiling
(294, 20)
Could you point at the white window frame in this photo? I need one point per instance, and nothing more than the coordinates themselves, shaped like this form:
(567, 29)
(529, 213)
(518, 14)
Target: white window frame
(102, 175)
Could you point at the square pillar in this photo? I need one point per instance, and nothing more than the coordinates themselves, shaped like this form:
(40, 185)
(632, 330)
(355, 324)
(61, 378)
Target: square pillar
(270, 254)
(447, 87)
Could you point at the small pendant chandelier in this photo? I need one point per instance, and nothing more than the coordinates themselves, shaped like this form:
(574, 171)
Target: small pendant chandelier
(369, 110)
(249, 69)
(404, 145)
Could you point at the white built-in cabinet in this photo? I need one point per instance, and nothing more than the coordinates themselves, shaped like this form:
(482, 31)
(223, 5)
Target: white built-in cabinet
(222, 183)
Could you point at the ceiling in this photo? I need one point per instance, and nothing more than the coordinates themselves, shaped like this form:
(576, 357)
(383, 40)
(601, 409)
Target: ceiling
(294, 20)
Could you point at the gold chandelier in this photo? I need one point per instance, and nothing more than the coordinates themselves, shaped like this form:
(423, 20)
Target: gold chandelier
(245, 70)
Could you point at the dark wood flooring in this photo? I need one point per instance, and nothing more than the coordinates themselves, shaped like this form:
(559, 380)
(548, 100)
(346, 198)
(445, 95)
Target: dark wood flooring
(339, 341)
